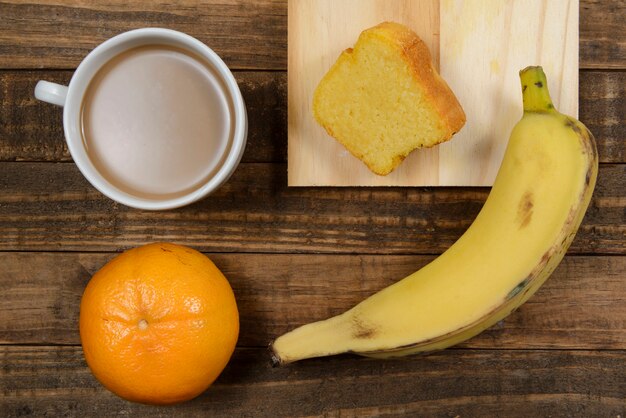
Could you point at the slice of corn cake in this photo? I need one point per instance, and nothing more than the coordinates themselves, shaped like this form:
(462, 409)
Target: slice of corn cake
(384, 98)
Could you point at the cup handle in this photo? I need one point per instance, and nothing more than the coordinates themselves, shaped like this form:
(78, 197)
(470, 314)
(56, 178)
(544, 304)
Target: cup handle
(51, 92)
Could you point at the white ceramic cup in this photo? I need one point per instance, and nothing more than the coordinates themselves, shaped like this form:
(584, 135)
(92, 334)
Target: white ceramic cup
(71, 98)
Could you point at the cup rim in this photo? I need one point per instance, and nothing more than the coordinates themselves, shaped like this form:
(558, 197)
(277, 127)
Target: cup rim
(77, 149)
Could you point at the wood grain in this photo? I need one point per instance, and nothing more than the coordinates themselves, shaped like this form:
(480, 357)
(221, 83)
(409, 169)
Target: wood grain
(58, 34)
(580, 307)
(55, 381)
(603, 111)
(33, 131)
(319, 30)
(602, 34)
(484, 45)
(248, 35)
(50, 207)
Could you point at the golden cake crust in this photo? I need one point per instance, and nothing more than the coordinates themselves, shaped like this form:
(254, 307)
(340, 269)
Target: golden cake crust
(418, 57)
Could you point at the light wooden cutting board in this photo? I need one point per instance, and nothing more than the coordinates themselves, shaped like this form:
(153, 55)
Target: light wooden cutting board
(479, 46)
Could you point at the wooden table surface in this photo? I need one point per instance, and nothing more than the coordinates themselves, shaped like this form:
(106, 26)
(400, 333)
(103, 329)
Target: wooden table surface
(293, 255)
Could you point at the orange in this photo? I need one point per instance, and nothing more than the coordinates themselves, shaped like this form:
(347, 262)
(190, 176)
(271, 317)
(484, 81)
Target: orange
(158, 324)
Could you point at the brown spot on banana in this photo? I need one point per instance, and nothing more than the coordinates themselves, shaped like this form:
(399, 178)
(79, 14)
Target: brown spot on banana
(517, 289)
(525, 210)
(362, 331)
(571, 123)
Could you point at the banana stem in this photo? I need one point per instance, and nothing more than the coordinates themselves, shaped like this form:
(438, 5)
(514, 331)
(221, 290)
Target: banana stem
(535, 90)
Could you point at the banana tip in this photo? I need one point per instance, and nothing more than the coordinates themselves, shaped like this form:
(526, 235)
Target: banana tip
(275, 359)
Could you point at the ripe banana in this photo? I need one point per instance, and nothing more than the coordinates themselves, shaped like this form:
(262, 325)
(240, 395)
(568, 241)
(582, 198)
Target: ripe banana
(535, 207)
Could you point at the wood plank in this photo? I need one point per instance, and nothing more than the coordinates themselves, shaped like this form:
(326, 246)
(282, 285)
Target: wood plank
(50, 207)
(248, 35)
(33, 131)
(56, 381)
(603, 111)
(580, 307)
(59, 34)
(601, 20)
